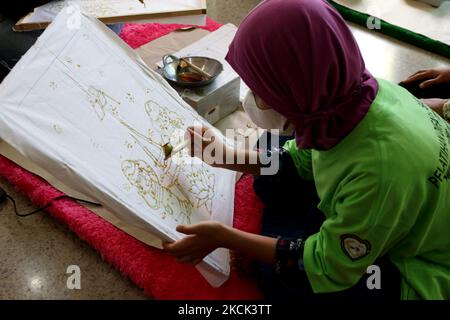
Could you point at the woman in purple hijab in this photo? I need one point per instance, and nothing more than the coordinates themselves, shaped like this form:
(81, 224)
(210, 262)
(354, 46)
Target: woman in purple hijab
(306, 65)
(359, 194)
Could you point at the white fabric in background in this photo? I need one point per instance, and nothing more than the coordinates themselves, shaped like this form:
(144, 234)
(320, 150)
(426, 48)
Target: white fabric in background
(84, 107)
(413, 15)
(114, 8)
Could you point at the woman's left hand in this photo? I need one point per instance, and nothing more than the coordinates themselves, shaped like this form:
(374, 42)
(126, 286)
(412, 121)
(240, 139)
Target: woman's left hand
(201, 240)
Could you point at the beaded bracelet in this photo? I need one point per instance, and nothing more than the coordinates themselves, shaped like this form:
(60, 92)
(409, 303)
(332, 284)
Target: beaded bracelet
(289, 252)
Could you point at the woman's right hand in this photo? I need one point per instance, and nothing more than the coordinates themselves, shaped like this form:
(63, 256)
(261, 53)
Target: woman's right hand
(429, 78)
(205, 145)
(209, 147)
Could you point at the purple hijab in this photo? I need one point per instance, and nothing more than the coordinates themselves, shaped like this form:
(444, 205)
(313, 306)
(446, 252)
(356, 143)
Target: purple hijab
(300, 57)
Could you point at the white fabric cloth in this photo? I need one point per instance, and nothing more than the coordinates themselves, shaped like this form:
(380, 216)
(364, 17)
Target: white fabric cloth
(84, 107)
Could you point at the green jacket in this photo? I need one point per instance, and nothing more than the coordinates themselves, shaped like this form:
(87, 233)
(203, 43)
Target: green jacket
(385, 189)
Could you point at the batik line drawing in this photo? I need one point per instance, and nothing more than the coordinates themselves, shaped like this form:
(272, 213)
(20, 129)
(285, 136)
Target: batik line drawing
(202, 186)
(100, 102)
(53, 85)
(158, 197)
(164, 185)
(164, 126)
(130, 97)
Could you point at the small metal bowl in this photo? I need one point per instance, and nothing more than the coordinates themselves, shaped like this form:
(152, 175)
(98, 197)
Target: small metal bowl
(187, 78)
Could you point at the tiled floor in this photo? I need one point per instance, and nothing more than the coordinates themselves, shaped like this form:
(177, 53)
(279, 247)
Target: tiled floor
(36, 251)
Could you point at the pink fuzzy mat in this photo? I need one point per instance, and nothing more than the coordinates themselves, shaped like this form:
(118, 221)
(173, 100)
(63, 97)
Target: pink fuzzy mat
(158, 274)
(137, 35)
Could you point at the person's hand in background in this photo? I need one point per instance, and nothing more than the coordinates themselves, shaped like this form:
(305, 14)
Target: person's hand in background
(429, 78)
(437, 105)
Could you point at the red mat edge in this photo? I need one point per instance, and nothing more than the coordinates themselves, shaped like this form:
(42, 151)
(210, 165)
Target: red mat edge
(119, 249)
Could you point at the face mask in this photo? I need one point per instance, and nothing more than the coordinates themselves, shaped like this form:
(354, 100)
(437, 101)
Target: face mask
(266, 119)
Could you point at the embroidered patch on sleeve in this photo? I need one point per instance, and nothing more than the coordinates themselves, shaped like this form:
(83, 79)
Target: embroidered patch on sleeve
(354, 247)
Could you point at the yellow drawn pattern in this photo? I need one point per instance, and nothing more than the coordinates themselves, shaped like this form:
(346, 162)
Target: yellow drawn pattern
(158, 182)
(158, 197)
